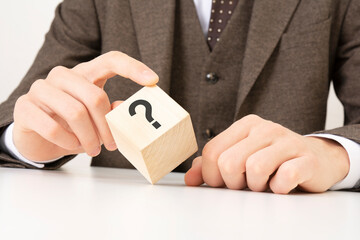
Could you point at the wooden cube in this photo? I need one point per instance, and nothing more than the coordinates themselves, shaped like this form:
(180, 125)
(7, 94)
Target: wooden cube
(153, 132)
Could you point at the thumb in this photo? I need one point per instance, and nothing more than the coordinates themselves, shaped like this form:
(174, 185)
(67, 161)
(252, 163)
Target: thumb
(115, 104)
(193, 177)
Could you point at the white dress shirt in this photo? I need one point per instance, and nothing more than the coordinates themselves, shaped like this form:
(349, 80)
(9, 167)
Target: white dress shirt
(203, 9)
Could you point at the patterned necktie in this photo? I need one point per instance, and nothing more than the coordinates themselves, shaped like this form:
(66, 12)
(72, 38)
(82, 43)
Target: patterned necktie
(221, 12)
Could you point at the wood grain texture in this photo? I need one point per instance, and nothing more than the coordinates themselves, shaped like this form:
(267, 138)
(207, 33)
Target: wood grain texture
(153, 151)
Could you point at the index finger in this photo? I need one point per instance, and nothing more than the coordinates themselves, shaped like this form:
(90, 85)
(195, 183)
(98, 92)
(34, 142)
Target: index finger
(98, 70)
(219, 144)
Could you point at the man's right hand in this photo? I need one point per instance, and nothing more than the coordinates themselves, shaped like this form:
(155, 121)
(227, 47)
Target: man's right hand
(65, 113)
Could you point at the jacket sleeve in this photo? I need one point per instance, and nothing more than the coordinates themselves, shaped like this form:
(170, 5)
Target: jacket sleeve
(346, 75)
(74, 37)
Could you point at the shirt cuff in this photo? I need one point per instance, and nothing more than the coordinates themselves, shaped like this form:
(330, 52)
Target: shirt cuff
(353, 151)
(7, 145)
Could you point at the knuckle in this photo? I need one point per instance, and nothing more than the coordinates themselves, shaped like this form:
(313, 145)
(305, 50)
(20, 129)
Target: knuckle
(52, 130)
(36, 86)
(98, 98)
(112, 53)
(90, 144)
(281, 130)
(210, 153)
(21, 100)
(289, 174)
(20, 108)
(73, 143)
(115, 54)
(255, 167)
(252, 118)
(58, 70)
(81, 65)
(272, 129)
(225, 165)
(76, 112)
(238, 123)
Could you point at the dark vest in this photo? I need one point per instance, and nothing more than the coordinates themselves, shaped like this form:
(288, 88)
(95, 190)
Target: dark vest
(210, 109)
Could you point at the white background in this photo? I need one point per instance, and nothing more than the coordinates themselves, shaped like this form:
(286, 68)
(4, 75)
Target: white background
(23, 24)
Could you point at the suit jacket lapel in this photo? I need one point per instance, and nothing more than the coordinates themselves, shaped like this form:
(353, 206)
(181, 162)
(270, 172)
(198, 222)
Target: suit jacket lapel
(268, 21)
(154, 25)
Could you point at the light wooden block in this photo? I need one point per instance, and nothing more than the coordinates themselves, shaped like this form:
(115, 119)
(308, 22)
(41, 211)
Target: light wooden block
(157, 146)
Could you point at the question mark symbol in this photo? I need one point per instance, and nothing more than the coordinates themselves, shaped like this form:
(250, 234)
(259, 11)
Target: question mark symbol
(148, 111)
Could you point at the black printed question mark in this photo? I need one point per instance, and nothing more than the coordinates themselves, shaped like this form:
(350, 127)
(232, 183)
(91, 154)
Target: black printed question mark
(148, 111)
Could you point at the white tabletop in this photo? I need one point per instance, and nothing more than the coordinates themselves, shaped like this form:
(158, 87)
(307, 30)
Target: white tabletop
(82, 202)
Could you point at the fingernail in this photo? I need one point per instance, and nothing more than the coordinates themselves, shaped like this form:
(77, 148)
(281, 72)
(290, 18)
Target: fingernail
(149, 75)
(195, 162)
(112, 146)
(95, 152)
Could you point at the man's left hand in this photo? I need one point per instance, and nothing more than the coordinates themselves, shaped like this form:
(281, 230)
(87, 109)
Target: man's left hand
(260, 154)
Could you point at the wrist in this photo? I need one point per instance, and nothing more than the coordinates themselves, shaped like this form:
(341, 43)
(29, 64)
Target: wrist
(335, 155)
(31, 147)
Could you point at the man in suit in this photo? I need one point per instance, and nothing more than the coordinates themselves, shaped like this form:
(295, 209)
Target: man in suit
(253, 94)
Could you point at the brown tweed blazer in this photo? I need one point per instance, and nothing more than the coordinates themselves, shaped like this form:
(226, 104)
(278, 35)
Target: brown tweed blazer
(294, 48)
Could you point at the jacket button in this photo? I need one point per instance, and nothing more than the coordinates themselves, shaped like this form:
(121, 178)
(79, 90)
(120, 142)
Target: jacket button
(212, 78)
(208, 133)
